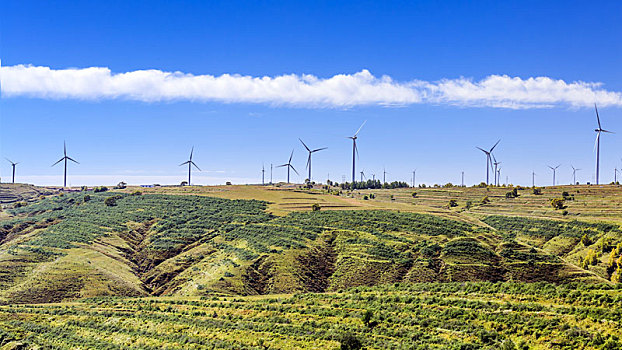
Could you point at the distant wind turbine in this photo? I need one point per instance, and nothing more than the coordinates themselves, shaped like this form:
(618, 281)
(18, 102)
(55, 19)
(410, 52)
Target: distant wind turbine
(190, 164)
(574, 174)
(384, 175)
(65, 158)
(497, 172)
(554, 170)
(355, 152)
(597, 143)
(289, 166)
(309, 158)
(488, 160)
(263, 174)
(12, 165)
(414, 176)
(362, 175)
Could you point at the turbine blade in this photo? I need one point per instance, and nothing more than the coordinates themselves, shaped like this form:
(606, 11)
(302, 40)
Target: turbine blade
(71, 159)
(481, 149)
(294, 169)
(319, 149)
(195, 166)
(607, 131)
(184, 163)
(290, 156)
(308, 161)
(8, 160)
(282, 165)
(60, 160)
(597, 117)
(65, 148)
(357, 131)
(304, 144)
(493, 147)
(191, 152)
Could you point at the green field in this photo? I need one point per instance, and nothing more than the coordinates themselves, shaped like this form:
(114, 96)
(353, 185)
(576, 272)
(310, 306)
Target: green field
(255, 267)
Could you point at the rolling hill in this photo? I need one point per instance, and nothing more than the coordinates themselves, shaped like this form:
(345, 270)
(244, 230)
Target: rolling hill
(86, 244)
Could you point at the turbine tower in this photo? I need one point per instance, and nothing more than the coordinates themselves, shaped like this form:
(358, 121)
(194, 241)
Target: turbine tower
(488, 159)
(309, 158)
(190, 164)
(554, 170)
(574, 174)
(384, 176)
(13, 166)
(597, 144)
(414, 176)
(355, 152)
(65, 158)
(289, 166)
(362, 175)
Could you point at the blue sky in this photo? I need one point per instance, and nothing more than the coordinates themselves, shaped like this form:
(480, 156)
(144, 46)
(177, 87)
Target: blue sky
(118, 136)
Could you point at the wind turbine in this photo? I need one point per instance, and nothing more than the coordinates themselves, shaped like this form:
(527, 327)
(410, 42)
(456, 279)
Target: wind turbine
(533, 179)
(461, 176)
(497, 176)
(289, 165)
(615, 176)
(310, 153)
(597, 143)
(488, 159)
(574, 173)
(362, 175)
(355, 151)
(263, 174)
(384, 176)
(65, 158)
(554, 170)
(190, 164)
(12, 165)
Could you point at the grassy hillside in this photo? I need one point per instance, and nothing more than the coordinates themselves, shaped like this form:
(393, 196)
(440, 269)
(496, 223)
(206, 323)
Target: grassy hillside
(92, 244)
(396, 316)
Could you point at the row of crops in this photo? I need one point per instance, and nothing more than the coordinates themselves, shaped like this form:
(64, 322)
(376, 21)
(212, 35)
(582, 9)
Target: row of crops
(397, 316)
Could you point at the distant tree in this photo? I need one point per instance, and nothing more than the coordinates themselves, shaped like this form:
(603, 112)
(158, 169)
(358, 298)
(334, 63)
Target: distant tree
(316, 207)
(452, 203)
(414, 194)
(86, 198)
(184, 183)
(485, 200)
(468, 205)
(537, 191)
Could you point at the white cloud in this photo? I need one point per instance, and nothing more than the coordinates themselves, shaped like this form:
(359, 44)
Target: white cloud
(339, 91)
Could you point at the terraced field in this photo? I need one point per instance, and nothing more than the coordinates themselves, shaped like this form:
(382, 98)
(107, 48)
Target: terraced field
(400, 316)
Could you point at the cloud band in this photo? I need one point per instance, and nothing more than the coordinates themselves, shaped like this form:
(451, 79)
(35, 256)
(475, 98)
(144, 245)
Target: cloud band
(308, 91)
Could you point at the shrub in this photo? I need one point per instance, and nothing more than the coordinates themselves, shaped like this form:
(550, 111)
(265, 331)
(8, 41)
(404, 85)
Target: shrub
(112, 201)
(100, 189)
(468, 205)
(86, 198)
(414, 194)
(558, 203)
(365, 197)
(485, 200)
(350, 341)
(452, 203)
(316, 207)
(537, 191)
(137, 193)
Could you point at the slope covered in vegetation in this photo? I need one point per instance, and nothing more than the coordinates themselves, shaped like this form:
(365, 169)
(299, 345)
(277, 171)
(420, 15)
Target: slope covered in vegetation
(93, 244)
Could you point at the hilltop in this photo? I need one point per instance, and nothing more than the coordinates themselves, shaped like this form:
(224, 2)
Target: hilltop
(250, 240)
